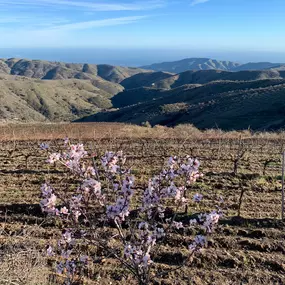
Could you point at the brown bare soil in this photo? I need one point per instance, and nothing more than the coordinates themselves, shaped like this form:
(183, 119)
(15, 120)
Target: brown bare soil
(245, 250)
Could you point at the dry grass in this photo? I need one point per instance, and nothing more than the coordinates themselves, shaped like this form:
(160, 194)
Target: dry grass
(87, 131)
(21, 263)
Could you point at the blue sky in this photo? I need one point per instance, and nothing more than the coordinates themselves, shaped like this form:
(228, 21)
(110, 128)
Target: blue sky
(238, 25)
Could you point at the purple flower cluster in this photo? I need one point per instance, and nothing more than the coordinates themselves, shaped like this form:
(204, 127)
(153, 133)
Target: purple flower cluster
(106, 186)
(165, 186)
(70, 263)
(48, 204)
(121, 209)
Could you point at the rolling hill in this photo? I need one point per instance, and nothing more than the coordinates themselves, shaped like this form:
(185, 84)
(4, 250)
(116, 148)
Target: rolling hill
(219, 93)
(167, 80)
(58, 70)
(206, 76)
(146, 79)
(208, 64)
(25, 99)
(144, 94)
(257, 66)
(104, 77)
(37, 90)
(192, 64)
(226, 104)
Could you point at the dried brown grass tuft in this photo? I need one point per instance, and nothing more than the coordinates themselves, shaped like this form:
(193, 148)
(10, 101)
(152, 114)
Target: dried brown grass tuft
(22, 264)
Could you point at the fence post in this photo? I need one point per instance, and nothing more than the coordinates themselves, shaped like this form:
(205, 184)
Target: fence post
(283, 166)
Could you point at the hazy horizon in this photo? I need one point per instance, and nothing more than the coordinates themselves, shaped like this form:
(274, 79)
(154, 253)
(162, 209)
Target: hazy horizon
(134, 57)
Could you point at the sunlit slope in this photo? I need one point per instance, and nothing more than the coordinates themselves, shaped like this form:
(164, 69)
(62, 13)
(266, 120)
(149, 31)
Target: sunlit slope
(227, 104)
(28, 99)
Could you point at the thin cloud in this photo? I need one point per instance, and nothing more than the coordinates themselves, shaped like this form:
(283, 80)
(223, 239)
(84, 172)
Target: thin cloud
(63, 34)
(98, 23)
(95, 6)
(11, 20)
(42, 17)
(196, 2)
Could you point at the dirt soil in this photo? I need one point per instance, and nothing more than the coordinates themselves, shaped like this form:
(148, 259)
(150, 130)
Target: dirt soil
(249, 249)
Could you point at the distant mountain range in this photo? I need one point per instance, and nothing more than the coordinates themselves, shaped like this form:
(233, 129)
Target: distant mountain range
(205, 92)
(208, 64)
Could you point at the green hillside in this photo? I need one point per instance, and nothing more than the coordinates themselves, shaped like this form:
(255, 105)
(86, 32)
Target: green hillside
(58, 70)
(167, 80)
(227, 104)
(146, 79)
(36, 90)
(25, 99)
